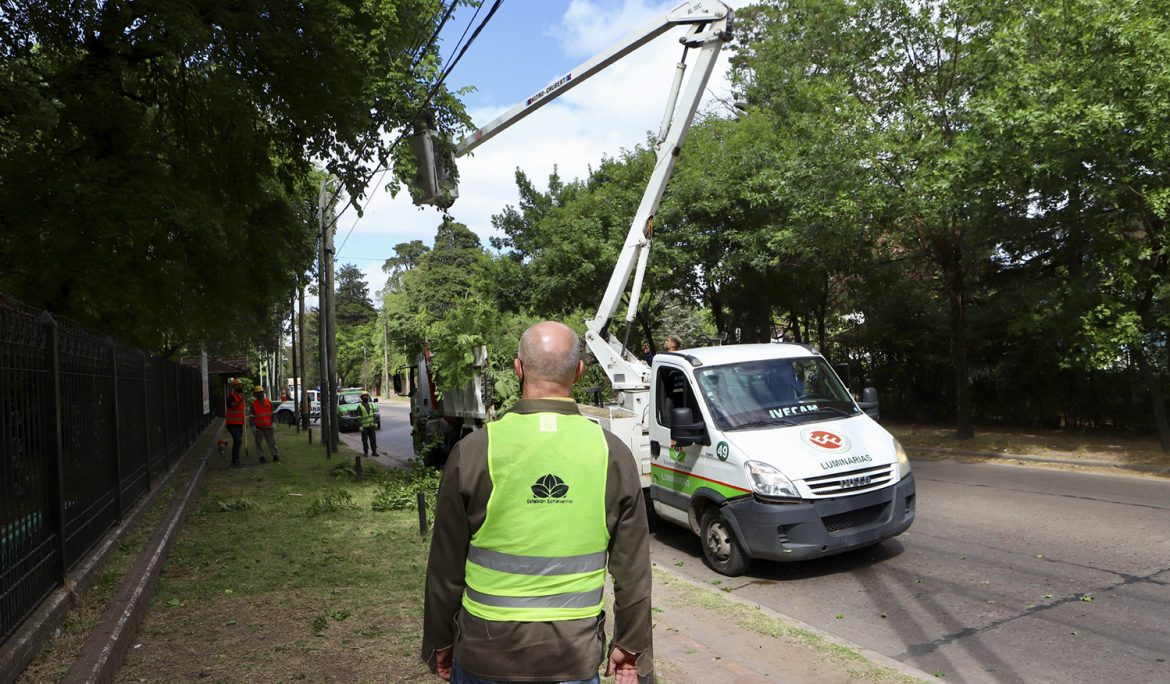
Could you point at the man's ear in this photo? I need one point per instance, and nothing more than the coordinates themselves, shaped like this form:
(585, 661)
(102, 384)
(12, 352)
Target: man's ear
(519, 368)
(580, 370)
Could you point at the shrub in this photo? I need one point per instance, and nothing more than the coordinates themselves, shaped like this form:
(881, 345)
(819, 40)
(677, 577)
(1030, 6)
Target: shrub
(399, 488)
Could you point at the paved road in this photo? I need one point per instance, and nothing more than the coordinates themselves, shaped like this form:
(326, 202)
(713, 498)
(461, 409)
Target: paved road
(394, 443)
(1009, 574)
(991, 584)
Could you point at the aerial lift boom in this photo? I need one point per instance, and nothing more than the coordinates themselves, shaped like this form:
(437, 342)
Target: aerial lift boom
(709, 27)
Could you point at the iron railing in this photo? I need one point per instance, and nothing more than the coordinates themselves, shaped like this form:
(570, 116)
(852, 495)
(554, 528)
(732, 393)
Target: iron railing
(86, 427)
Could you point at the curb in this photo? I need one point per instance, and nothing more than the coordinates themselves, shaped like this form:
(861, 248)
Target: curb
(992, 455)
(105, 649)
(24, 645)
(873, 656)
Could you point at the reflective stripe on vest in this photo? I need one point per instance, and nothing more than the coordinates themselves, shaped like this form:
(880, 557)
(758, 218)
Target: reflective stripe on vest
(367, 417)
(234, 415)
(540, 555)
(262, 414)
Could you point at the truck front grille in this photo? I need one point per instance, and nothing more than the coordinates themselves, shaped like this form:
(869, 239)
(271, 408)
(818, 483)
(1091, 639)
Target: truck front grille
(851, 519)
(860, 480)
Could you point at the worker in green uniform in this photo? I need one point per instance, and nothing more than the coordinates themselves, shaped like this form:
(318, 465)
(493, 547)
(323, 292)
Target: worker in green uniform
(369, 425)
(532, 511)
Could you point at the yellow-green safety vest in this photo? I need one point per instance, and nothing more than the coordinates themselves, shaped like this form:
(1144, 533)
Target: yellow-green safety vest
(540, 555)
(367, 416)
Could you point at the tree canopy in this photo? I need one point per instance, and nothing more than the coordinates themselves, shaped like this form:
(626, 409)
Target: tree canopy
(963, 204)
(156, 158)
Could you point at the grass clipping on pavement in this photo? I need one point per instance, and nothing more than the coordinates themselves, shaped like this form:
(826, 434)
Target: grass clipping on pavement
(292, 571)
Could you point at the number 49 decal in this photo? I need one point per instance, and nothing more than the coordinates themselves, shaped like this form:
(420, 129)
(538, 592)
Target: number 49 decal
(722, 451)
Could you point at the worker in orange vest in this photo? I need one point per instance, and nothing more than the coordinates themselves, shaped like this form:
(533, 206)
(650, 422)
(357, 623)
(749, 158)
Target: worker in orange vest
(262, 424)
(233, 418)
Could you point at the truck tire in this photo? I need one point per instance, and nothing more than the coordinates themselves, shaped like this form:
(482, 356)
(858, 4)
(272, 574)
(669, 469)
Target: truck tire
(285, 417)
(721, 550)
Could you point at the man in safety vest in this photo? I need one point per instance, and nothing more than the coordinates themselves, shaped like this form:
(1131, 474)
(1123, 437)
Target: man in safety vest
(233, 419)
(531, 511)
(369, 428)
(262, 424)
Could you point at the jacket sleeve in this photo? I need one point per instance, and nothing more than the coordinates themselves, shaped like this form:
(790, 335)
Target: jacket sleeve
(629, 558)
(449, 540)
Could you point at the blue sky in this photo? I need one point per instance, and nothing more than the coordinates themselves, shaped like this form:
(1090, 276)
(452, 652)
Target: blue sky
(527, 44)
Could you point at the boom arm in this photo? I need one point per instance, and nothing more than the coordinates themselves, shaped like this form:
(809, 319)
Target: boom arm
(710, 23)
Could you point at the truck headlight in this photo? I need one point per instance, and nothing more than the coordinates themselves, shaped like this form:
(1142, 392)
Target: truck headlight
(769, 482)
(903, 460)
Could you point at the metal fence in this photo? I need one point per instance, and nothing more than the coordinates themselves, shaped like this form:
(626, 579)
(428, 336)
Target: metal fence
(86, 427)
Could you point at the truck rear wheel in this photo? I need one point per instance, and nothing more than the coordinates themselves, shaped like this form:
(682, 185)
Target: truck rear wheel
(721, 550)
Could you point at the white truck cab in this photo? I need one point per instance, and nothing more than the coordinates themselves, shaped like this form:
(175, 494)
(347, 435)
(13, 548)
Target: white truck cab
(761, 451)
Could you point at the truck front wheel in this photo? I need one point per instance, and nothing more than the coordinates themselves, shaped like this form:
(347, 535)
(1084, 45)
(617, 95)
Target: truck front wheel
(721, 550)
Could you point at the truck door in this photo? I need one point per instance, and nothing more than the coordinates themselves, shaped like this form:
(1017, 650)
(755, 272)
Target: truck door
(672, 463)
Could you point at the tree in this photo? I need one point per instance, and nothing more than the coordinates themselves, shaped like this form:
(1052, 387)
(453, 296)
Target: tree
(887, 87)
(1081, 102)
(156, 157)
(353, 298)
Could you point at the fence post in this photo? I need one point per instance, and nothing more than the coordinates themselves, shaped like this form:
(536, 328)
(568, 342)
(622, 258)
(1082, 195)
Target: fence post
(146, 412)
(49, 324)
(116, 432)
(166, 438)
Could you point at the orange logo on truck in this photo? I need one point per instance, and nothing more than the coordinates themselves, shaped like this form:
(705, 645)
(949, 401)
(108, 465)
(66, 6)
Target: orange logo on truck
(829, 441)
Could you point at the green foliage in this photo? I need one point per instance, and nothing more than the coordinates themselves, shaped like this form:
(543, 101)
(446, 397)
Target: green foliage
(331, 501)
(232, 505)
(399, 490)
(156, 158)
(971, 218)
(353, 298)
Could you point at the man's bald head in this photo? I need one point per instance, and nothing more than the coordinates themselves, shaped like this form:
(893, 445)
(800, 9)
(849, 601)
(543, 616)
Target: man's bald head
(549, 359)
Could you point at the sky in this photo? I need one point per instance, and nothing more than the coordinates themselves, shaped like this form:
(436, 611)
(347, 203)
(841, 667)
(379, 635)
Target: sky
(526, 45)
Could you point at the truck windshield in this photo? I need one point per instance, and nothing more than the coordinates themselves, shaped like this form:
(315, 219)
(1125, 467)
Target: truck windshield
(773, 392)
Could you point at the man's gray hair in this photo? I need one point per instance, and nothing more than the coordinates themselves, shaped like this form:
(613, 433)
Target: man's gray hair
(541, 363)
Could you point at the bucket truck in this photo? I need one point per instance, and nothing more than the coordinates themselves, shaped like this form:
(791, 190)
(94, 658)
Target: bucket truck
(759, 449)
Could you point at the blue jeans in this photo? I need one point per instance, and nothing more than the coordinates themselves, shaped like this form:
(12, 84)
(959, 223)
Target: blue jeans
(460, 676)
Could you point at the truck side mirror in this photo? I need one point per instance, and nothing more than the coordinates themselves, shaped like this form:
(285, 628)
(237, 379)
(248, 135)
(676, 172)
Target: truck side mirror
(398, 383)
(683, 428)
(869, 403)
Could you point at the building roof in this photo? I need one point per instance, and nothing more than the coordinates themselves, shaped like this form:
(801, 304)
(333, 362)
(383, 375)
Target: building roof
(231, 365)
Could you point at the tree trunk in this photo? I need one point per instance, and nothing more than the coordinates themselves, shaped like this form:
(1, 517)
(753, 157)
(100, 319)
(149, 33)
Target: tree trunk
(964, 429)
(951, 258)
(822, 311)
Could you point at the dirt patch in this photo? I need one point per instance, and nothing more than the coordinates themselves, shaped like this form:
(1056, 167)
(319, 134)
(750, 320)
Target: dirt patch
(1116, 447)
(278, 636)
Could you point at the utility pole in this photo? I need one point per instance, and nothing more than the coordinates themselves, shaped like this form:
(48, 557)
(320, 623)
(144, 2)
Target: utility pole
(385, 355)
(303, 401)
(292, 355)
(324, 293)
(334, 434)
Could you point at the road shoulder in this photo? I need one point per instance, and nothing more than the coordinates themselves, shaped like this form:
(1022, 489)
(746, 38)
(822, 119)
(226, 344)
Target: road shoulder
(703, 634)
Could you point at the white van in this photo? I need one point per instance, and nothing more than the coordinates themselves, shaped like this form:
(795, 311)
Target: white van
(761, 451)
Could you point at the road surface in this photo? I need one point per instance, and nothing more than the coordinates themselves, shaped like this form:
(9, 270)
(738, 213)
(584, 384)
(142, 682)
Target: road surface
(1009, 574)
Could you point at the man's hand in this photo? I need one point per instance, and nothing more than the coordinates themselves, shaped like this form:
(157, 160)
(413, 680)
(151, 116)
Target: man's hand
(443, 663)
(622, 666)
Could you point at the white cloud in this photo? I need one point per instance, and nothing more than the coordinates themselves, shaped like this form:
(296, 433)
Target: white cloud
(612, 111)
